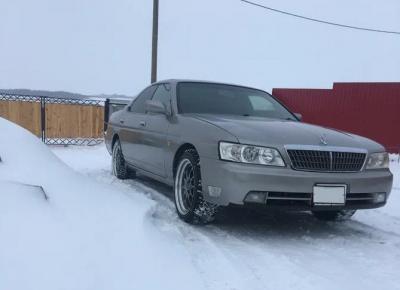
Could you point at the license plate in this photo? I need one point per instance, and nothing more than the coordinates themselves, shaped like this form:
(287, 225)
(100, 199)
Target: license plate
(327, 194)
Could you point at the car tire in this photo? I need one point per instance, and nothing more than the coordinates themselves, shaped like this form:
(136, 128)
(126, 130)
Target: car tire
(119, 167)
(189, 202)
(334, 215)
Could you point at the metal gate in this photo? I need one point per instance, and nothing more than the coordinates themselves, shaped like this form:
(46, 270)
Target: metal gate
(58, 121)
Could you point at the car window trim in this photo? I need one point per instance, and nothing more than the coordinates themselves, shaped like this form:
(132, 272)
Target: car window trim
(151, 97)
(161, 84)
(170, 94)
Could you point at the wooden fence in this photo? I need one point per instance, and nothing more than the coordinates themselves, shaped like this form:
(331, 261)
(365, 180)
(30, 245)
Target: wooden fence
(25, 114)
(74, 121)
(56, 120)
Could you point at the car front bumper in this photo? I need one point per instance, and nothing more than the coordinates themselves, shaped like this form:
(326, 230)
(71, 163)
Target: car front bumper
(288, 188)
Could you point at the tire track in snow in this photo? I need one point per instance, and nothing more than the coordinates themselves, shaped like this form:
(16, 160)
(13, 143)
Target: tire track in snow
(250, 258)
(242, 263)
(205, 257)
(343, 255)
(233, 258)
(216, 271)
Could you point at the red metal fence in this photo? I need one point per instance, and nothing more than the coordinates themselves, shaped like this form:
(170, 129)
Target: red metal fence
(367, 109)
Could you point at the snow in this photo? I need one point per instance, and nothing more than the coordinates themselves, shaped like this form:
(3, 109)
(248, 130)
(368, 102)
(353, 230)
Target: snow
(87, 235)
(97, 232)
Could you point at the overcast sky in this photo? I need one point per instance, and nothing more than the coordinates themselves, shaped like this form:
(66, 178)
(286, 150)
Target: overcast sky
(99, 46)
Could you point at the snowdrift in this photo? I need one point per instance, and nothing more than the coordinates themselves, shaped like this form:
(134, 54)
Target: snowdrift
(62, 230)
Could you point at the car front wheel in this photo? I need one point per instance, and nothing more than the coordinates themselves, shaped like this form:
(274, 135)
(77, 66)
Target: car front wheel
(189, 202)
(334, 215)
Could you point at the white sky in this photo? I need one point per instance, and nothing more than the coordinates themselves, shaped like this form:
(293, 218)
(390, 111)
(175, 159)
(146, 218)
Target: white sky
(100, 46)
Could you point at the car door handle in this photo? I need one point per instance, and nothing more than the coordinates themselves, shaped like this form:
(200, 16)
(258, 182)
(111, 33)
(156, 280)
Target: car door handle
(121, 121)
(142, 123)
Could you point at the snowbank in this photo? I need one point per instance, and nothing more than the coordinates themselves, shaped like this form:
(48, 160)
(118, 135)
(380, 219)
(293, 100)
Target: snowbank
(61, 230)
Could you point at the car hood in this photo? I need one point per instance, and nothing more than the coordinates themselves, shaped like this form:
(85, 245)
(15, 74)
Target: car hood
(276, 132)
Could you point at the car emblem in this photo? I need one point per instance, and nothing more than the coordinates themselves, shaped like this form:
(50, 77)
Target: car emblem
(323, 140)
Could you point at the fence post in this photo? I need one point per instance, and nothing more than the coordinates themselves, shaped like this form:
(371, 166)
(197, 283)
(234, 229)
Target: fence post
(43, 118)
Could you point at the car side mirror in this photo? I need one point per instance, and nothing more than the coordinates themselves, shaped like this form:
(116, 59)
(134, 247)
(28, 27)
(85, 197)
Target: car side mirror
(156, 107)
(299, 116)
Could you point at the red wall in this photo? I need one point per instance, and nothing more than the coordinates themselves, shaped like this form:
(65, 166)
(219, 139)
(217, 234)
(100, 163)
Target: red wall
(368, 109)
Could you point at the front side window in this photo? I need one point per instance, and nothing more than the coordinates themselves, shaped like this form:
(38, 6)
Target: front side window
(162, 94)
(208, 98)
(139, 104)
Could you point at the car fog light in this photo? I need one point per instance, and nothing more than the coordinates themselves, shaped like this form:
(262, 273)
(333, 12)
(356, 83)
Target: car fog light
(214, 191)
(380, 197)
(255, 197)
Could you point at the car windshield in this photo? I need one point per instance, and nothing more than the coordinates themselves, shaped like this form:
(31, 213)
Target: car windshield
(207, 98)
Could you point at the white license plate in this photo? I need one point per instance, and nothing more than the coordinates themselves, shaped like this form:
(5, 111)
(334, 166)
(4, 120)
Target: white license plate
(327, 194)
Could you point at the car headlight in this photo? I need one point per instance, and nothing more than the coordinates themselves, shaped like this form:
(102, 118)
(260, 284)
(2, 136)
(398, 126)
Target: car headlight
(250, 154)
(378, 161)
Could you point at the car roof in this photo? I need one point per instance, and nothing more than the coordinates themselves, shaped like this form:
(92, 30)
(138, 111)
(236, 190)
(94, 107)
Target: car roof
(176, 81)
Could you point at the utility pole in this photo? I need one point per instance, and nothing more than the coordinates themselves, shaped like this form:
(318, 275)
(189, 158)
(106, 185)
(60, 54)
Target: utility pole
(154, 46)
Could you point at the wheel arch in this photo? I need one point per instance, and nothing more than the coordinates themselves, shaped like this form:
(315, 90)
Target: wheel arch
(179, 153)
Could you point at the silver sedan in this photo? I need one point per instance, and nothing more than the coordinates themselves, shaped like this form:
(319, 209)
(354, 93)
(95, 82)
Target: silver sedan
(220, 145)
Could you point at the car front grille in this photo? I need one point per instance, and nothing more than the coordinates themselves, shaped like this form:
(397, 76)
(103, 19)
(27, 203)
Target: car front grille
(329, 161)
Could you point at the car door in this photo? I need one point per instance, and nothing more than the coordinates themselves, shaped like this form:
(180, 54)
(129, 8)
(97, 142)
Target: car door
(156, 132)
(133, 124)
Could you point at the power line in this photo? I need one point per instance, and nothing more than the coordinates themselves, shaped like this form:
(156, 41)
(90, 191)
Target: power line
(318, 20)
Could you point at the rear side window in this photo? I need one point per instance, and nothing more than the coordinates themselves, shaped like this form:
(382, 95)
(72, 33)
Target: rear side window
(162, 94)
(139, 104)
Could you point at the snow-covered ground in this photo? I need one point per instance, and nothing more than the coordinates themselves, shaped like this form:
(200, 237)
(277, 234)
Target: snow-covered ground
(97, 232)
(272, 251)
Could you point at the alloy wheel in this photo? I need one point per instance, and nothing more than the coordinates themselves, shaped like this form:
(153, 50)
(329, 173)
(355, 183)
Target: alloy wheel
(185, 187)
